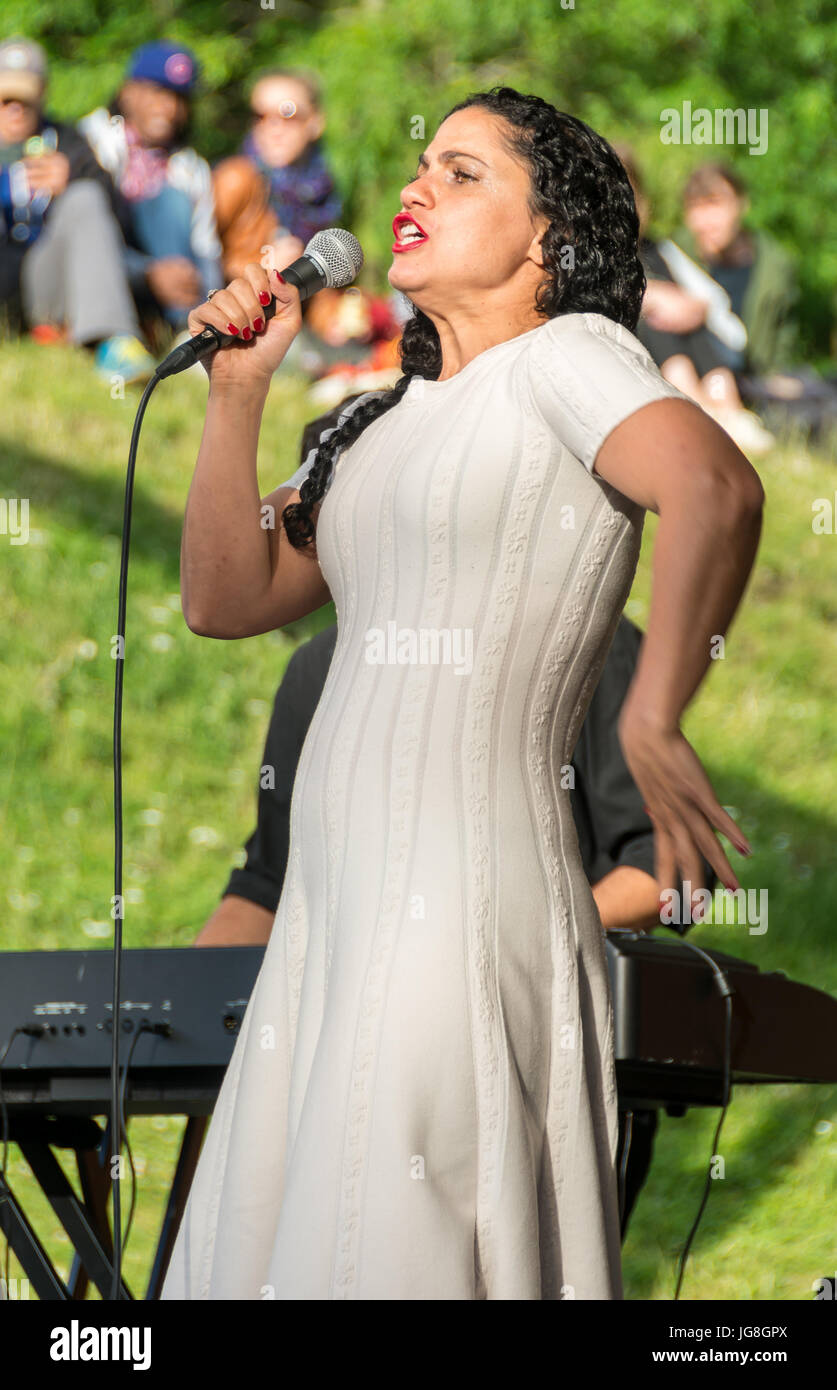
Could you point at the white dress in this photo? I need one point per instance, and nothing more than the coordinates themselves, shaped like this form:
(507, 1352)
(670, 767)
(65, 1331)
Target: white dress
(421, 1103)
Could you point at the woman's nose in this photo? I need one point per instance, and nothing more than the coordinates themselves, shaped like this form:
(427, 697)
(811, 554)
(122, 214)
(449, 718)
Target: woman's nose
(416, 193)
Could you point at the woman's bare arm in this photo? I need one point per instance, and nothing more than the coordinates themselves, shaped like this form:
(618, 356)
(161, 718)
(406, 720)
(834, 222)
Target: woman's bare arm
(674, 460)
(239, 574)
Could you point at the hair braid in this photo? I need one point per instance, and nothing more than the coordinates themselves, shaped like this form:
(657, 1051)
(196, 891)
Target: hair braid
(421, 355)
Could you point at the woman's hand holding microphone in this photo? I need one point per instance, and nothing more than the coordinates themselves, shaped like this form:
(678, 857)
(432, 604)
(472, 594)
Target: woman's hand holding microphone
(239, 310)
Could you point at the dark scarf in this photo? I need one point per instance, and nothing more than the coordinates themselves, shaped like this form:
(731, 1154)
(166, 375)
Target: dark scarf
(303, 194)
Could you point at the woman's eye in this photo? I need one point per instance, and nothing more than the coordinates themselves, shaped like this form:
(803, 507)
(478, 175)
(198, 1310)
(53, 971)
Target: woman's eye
(457, 173)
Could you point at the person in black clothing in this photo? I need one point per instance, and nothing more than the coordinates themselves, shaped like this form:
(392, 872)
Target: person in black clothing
(615, 835)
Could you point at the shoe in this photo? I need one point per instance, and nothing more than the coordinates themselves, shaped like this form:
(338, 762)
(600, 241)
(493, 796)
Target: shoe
(126, 357)
(746, 430)
(47, 334)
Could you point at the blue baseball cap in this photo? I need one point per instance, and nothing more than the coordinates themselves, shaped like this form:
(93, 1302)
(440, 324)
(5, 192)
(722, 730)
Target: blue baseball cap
(169, 64)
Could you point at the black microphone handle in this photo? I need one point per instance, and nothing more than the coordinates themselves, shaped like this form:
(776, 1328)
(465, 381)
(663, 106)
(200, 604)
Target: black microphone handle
(303, 274)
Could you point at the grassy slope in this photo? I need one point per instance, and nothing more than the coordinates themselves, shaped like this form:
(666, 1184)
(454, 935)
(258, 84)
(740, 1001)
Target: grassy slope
(195, 717)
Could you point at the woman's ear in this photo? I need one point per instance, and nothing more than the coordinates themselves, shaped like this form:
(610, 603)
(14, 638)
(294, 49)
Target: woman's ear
(535, 252)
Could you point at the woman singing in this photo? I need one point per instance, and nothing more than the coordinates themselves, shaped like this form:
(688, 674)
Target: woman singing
(421, 1103)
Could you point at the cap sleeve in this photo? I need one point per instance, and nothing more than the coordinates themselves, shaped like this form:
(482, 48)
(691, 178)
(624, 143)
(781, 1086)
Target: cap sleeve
(298, 478)
(587, 375)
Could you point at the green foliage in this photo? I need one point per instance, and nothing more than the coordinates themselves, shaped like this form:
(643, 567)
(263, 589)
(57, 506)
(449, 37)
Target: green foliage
(616, 65)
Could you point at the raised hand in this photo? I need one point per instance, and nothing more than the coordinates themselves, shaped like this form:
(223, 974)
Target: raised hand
(239, 310)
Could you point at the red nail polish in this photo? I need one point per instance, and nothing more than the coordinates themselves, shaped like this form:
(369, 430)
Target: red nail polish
(246, 335)
(279, 277)
(258, 325)
(264, 297)
(231, 328)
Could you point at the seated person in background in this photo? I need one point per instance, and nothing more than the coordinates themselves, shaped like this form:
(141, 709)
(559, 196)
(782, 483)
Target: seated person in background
(748, 264)
(246, 221)
(693, 332)
(174, 254)
(760, 281)
(615, 835)
(283, 147)
(350, 342)
(271, 198)
(61, 244)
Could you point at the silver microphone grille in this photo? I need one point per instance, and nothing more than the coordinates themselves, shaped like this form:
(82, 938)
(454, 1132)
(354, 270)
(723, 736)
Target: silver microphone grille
(340, 254)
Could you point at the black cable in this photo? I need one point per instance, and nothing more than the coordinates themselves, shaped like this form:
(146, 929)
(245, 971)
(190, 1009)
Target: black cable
(727, 991)
(313, 271)
(623, 1165)
(116, 1092)
(39, 1030)
(5, 1160)
(142, 1028)
(32, 1030)
(115, 1115)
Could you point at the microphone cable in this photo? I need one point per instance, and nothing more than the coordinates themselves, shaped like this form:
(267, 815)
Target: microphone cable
(4, 1162)
(142, 1028)
(117, 902)
(332, 259)
(31, 1030)
(178, 359)
(623, 1165)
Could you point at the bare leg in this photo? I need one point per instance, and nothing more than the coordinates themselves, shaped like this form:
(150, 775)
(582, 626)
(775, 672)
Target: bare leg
(717, 394)
(680, 372)
(74, 272)
(720, 389)
(717, 390)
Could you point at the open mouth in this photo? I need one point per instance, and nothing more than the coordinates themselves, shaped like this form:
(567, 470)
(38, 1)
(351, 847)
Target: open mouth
(408, 233)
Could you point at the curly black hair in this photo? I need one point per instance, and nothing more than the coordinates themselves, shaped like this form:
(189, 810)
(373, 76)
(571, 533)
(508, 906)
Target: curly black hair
(591, 261)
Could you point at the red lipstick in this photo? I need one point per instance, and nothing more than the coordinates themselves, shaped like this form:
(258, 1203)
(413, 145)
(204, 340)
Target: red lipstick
(416, 234)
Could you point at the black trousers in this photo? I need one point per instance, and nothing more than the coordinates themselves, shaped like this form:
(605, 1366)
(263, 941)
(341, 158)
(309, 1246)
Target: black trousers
(636, 1127)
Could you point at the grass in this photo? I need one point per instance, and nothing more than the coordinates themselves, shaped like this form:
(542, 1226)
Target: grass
(196, 712)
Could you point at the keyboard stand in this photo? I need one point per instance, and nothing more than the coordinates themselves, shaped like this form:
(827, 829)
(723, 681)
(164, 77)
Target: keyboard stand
(187, 1162)
(85, 1221)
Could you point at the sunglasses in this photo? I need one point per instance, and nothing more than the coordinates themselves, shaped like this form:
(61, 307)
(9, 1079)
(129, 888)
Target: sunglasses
(287, 111)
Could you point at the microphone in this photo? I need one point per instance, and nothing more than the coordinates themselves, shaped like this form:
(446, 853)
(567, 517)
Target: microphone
(331, 260)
